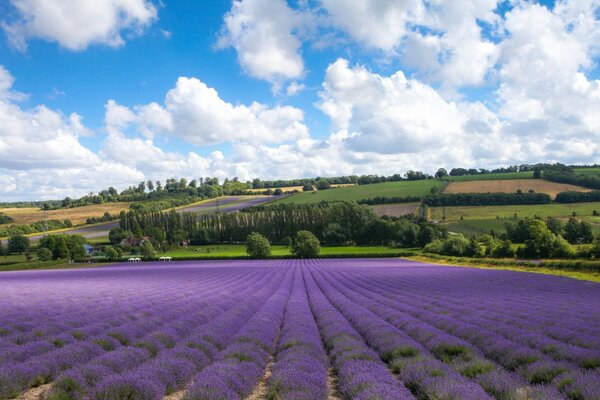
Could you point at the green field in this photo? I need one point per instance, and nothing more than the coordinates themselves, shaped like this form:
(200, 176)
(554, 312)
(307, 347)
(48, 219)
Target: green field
(491, 177)
(13, 258)
(361, 192)
(489, 212)
(239, 250)
(478, 227)
(588, 171)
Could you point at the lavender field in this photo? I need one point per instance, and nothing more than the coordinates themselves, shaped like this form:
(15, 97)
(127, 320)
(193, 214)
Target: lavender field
(293, 329)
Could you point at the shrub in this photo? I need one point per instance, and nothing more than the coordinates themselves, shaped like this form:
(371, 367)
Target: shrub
(44, 254)
(455, 245)
(305, 245)
(257, 246)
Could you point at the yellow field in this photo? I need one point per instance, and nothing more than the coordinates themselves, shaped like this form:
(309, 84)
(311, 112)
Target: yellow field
(77, 215)
(298, 188)
(511, 186)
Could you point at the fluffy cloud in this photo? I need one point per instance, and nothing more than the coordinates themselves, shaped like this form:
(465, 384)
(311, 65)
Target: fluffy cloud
(75, 24)
(41, 156)
(376, 23)
(392, 114)
(196, 113)
(262, 33)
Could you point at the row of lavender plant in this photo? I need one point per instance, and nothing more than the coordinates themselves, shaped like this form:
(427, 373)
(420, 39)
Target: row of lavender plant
(70, 326)
(360, 372)
(536, 366)
(241, 364)
(569, 328)
(425, 376)
(456, 354)
(41, 368)
(300, 368)
(164, 361)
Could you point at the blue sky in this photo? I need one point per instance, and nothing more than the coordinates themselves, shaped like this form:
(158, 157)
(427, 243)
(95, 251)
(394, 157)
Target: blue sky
(99, 93)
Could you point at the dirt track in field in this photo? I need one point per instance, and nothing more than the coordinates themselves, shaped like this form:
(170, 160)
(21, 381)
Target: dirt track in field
(511, 186)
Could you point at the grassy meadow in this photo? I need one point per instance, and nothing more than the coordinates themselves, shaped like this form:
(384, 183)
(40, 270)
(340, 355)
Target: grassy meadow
(489, 212)
(239, 250)
(361, 192)
(588, 171)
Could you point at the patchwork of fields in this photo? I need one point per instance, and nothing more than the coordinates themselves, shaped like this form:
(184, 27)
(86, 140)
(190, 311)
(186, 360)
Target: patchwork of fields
(361, 192)
(511, 186)
(490, 212)
(77, 215)
(294, 329)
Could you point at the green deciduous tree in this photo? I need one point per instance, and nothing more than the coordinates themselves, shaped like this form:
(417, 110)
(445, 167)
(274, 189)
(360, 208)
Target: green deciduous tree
(257, 246)
(147, 250)
(18, 244)
(305, 245)
(111, 253)
(44, 254)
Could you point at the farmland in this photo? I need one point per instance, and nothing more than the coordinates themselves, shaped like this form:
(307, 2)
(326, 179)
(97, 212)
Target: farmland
(588, 171)
(489, 212)
(77, 215)
(490, 176)
(511, 186)
(361, 192)
(396, 210)
(387, 329)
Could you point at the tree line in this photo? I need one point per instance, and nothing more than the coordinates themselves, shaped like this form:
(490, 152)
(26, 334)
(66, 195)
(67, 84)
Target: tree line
(560, 173)
(333, 223)
(485, 199)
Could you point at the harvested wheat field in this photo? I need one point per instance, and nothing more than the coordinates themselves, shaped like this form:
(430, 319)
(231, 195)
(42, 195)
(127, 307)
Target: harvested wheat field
(511, 186)
(77, 215)
(395, 210)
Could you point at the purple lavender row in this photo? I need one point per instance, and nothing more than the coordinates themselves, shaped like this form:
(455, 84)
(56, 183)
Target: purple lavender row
(107, 335)
(43, 368)
(572, 382)
(578, 317)
(241, 364)
(162, 362)
(64, 321)
(456, 355)
(563, 329)
(300, 368)
(361, 374)
(425, 376)
(536, 367)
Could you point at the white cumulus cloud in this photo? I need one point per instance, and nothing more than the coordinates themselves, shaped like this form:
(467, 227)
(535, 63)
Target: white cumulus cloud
(263, 34)
(76, 24)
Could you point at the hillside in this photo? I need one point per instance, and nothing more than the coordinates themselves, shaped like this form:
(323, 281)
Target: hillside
(361, 192)
(77, 215)
(511, 186)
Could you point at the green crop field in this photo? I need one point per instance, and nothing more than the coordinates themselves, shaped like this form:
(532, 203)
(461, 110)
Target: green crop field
(489, 212)
(360, 192)
(239, 250)
(588, 171)
(491, 177)
(478, 227)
